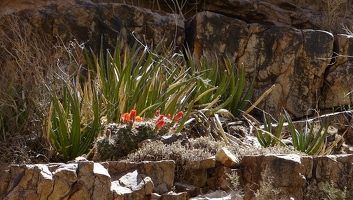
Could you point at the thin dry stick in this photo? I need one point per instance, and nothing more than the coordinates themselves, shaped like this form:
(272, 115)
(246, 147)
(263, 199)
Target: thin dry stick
(267, 92)
(219, 127)
(335, 143)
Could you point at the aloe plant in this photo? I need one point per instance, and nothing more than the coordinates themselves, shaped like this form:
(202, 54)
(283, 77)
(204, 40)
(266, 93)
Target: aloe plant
(137, 78)
(74, 120)
(306, 139)
(227, 82)
(267, 135)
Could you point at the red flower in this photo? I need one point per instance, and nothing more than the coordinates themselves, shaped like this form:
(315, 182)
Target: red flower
(168, 116)
(125, 118)
(160, 124)
(161, 117)
(178, 116)
(132, 115)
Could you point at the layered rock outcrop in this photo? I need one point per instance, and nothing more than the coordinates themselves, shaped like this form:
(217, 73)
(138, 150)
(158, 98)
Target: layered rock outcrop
(293, 60)
(285, 42)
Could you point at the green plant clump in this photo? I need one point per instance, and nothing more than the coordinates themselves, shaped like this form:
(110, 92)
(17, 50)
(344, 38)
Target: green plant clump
(74, 120)
(137, 78)
(268, 137)
(308, 139)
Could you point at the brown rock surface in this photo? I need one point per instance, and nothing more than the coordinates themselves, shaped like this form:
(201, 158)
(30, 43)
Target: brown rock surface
(259, 34)
(88, 22)
(322, 14)
(293, 60)
(227, 158)
(161, 173)
(338, 87)
(286, 173)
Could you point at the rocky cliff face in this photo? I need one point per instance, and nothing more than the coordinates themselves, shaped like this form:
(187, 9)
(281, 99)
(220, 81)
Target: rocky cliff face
(298, 46)
(285, 41)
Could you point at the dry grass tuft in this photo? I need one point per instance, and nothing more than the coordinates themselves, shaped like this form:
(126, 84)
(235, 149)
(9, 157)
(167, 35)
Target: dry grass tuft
(28, 62)
(195, 149)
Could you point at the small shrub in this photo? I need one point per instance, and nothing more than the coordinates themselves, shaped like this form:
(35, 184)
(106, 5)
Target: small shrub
(267, 190)
(326, 190)
(234, 179)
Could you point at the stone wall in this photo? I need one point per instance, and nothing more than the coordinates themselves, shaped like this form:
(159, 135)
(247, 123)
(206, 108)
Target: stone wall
(270, 176)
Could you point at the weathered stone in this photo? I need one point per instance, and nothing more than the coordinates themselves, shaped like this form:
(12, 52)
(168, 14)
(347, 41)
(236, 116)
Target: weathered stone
(5, 177)
(222, 180)
(85, 182)
(102, 183)
(196, 177)
(324, 15)
(227, 158)
(87, 22)
(190, 189)
(218, 194)
(132, 185)
(174, 196)
(288, 176)
(64, 177)
(161, 173)
(118, 167)
(261, 34)
(336, 169)
(201, 164)
(16, 173)
(155, 196)
(285, 173)
(293, 60)
(36, 183)
(338, 87)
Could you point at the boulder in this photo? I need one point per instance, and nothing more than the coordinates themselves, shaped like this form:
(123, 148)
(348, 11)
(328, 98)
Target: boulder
(132, 185)
(322, 14)
(174, 196)
(330, 178)
(93, 181)
(64, 177)
(36, 183)
(337, 91)
(161, 172)
(293, 60)
(282, 174)
(218, 194)
(191, 190)
(87, 23)
(227, 158)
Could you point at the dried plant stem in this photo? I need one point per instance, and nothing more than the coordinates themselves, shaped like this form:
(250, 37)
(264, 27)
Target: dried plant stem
(267, 92)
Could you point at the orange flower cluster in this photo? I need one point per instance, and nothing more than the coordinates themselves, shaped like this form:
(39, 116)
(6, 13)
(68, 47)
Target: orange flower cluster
(130, 118)
(160, 121)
